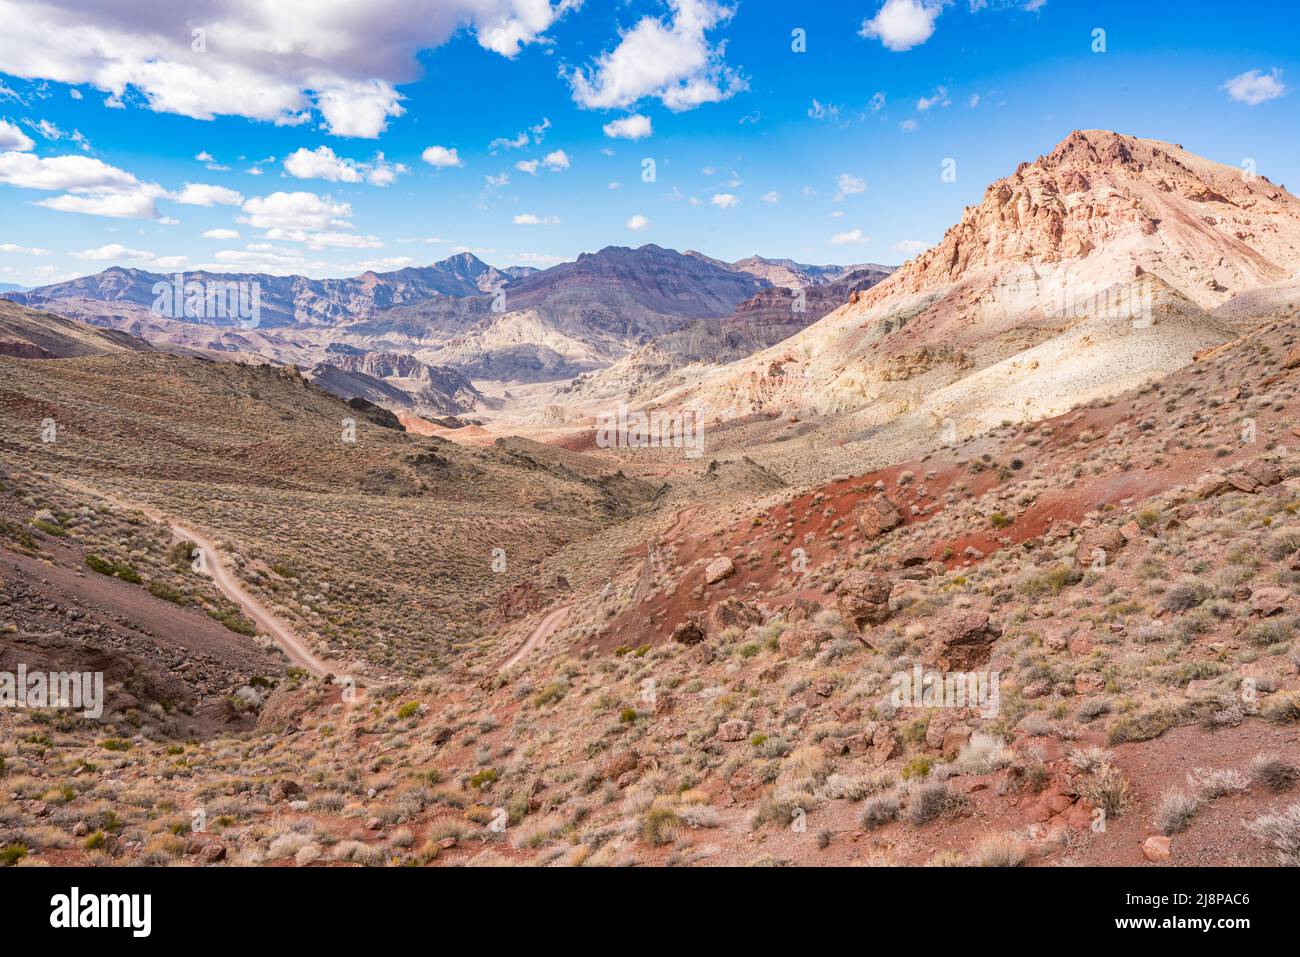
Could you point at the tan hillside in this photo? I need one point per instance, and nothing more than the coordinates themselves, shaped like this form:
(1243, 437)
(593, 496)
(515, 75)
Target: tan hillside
(1038, 254)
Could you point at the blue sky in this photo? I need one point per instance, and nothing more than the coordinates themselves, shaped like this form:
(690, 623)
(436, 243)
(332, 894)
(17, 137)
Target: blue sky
(832, 154)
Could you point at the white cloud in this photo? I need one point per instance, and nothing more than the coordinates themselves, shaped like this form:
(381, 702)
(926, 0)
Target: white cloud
(1255, 87)
(324, 240)
(634, 127)
(24, 250)
(201, 194)
(322, 163)
(441, 157)
(528, 219)
(908, 126)
(226, 234)
(823, 111)
(910, 247)
(77, 174)
(903, 24)
(91, 186)
(772, 197)
(496, 182)
(534, 134)
(637, 223)
(132, 205)
(940, 98)
(267, 259)
(673, 62)
(12, 138)
(264, 59)
(725, 201)
(528, 166)
(292, 211)
(114, 251)
(848, 185)
(387, 264)
(974, 101)
(851, 238)
(53, 133)
(556, 161)
(877, 102)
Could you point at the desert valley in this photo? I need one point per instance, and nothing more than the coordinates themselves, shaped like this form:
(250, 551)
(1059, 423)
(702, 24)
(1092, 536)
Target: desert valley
(373, 580)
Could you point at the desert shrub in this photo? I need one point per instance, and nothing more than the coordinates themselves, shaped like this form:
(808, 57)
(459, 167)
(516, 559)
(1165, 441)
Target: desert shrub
(1282, 830)
(983, 754)
(879, 811)
(1107, 788)
(659, 823)
(1175, 811)
(1185, 594)
(998, 850)
(930, 800)
(1274, 771)
(1210, 783)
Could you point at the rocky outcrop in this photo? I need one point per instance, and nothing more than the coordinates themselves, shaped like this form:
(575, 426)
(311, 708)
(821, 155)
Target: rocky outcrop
(963, 644)
(863, 599)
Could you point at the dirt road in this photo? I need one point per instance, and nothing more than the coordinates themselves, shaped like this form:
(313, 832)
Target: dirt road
(545, 628)
(213, 565)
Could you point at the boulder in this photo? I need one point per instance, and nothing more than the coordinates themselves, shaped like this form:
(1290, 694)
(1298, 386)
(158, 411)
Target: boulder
(732, 613)
(1104, 538)
(863, 599)
(619, 764)
(879, 515)
(1156, 848)
(688, 633)
(1268, 601)
(718, 569)
(964, 644)
(736, 729)
(284, 788)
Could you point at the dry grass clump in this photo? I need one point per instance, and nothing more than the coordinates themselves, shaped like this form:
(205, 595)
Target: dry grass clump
(998, 850)
(1282, 830)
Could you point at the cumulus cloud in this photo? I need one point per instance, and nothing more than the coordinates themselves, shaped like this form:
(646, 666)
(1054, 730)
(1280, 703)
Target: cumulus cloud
(113, 251)
(296, 211)
(725, 201)
(773, 197)
(1255, 87)
(638, 223)
(528, 219)
(23, 250)
(323, 163)
(556, 161)
(262, 59)
(78, 174)
(224, 234)
(902, 24)
(852, 238)
(847, 185)
(441, 157)
(634, 127)
(674, 62)
(12, 138)
(201, 194)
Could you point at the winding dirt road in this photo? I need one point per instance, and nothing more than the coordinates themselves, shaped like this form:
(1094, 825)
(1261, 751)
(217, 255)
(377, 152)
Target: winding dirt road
(213, 564)
(545, 628)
